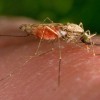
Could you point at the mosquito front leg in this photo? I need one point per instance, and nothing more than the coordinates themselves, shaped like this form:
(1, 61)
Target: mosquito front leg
(92, 46)
(88, 32)
(87, 47)
(81, 25)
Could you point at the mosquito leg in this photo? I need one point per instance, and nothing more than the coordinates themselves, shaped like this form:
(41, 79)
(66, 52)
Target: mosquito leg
(16, 69)
(42, 38)
(42, 35)
(46, 52)
(40, 42)
(47, 18)
(52, 42)
(81, 25)
(92, 44)
(93, 49)
(87, 47)
(88, 32)
(38, 46)
(59, 69)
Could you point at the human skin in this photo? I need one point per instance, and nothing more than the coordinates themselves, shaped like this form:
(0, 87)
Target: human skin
(24, 76)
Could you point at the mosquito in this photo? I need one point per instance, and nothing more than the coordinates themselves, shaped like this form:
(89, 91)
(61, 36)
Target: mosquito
(57, 31)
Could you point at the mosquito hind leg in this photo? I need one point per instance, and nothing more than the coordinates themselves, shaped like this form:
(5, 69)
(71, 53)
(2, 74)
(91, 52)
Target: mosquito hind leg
(47, 18)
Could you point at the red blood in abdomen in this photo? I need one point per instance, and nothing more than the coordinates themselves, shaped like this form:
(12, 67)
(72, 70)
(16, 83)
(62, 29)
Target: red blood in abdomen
(46, 33)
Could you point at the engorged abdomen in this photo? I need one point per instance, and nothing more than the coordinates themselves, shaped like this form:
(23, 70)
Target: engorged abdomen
(47, 33)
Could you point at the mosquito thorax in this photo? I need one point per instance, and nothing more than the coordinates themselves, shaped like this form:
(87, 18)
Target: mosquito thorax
(73, 28)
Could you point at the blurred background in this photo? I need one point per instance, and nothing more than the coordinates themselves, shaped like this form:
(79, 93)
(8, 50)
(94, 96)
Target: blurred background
(63, 11)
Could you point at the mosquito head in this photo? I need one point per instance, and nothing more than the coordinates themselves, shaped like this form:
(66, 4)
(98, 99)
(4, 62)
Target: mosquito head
(86, 37)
